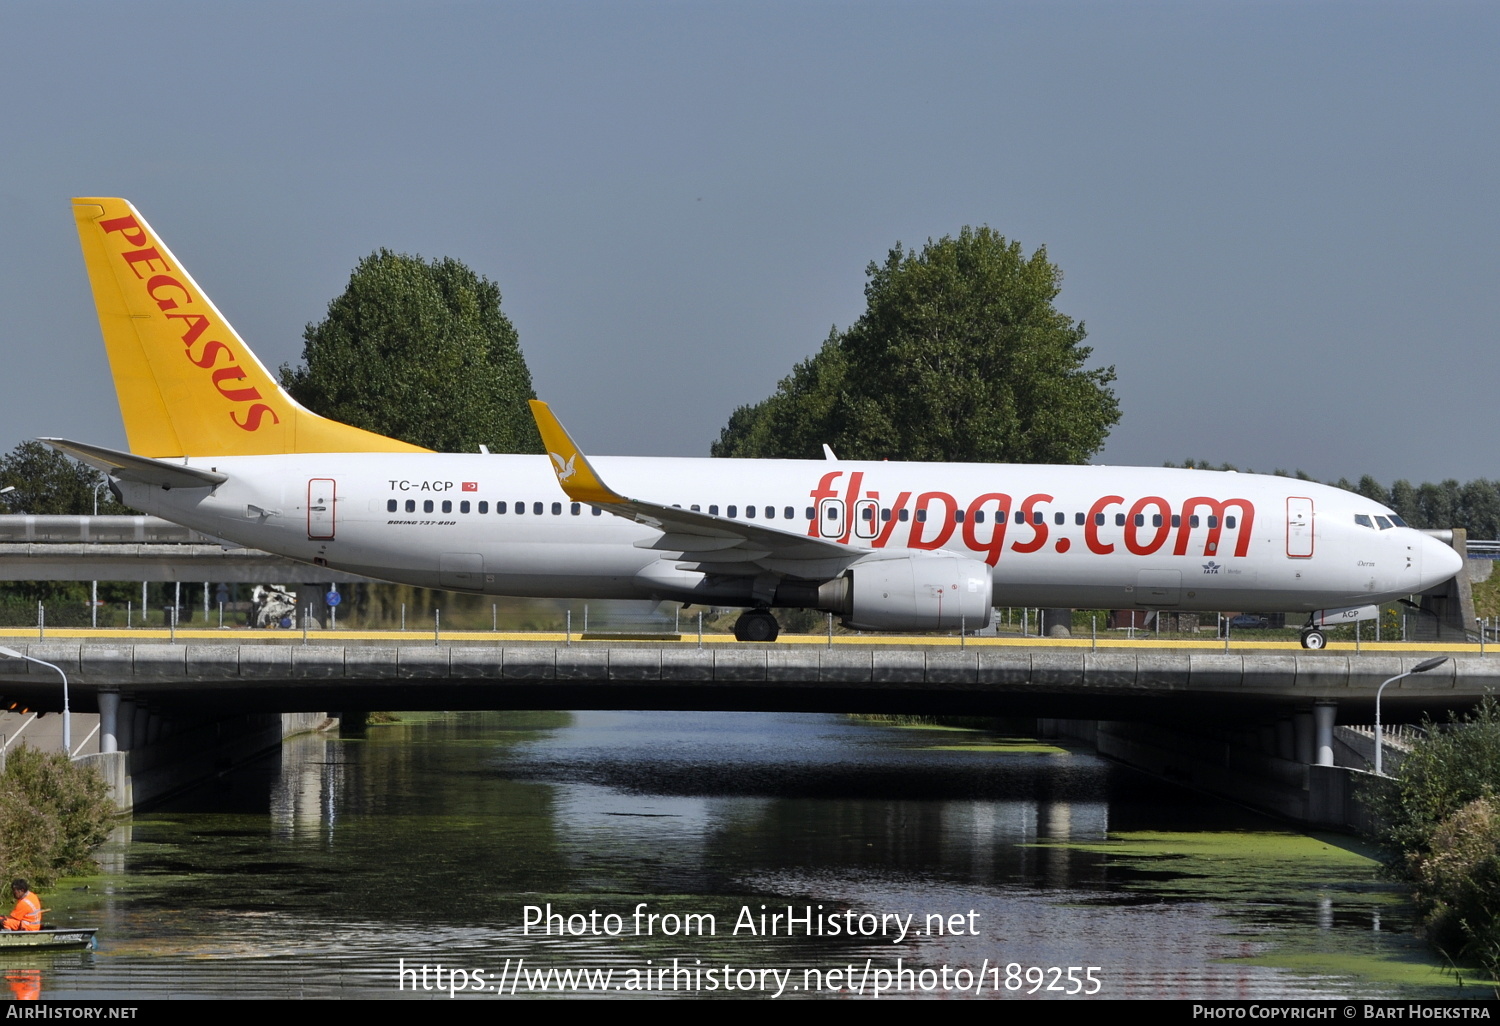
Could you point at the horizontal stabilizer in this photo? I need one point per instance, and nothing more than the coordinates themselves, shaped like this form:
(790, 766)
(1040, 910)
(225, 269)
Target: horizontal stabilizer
(129, 467)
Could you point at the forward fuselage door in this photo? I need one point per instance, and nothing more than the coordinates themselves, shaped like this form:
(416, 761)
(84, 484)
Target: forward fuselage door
(1299, 527)
(321, 496)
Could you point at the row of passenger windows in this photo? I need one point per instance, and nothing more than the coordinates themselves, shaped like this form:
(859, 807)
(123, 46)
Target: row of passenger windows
(483, 506)
(832, 511)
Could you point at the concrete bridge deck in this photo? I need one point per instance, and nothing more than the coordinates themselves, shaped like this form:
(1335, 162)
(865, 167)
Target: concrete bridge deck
(1138, 682)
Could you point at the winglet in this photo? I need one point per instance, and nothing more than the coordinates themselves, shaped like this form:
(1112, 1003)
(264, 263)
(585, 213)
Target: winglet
(574, 472)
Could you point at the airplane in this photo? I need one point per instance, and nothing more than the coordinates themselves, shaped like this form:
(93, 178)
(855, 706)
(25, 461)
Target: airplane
(216, 445)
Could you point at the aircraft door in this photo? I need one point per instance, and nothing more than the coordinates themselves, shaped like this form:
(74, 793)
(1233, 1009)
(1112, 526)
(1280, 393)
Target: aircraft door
(321, 498)
(463, 570)
(1158, 587)
(1299, 527)
(831, 518)
(866, 518)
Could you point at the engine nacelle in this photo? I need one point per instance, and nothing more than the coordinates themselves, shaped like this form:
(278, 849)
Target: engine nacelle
(928, 592)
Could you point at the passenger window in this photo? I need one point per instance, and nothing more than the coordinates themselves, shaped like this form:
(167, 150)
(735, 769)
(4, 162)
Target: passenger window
(1098, 519)
(1059, 519)
(1363, 521)
(1385, 525)
(979, 516)
(1213, 521)
(1020, 517)
(789, 512)
(713, 511)
(597, 511)
(1229, 522)
(1156, 520)
(732, 511)
(411, 505)
(463, 507)
(484, 506)
(499, 507)
(557, 509)
(536, 509)
(749, 512)
(1078, 519)
(1140, 520)
(811, 515)
(1176, 520)
(1119, 519)
(390, 506)
(520, 508)
(427, 506)
(447, 505)
(867, 514)
(885, 516)
(1193, 520)
(770, 512)
(694, 508)
(904, 515)
(921, 516)
(958, 516)
(1037, 517)
(576, 508)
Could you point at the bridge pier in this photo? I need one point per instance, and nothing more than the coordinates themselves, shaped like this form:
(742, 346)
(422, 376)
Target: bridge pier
(1323, 715)
(109, 721)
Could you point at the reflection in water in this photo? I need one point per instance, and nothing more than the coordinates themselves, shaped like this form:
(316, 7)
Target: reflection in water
(318, 872)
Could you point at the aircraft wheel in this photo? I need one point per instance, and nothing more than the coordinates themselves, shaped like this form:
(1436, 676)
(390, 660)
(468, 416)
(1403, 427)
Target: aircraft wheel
(756, 625)
(1314, 639)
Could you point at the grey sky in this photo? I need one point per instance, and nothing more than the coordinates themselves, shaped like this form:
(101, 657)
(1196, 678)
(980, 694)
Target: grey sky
(1277, 220)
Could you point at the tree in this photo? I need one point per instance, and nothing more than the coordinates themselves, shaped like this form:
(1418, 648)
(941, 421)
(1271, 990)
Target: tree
(53, 814)
(1440, 827)
(419, 351)
(48, 483)
(959, 356)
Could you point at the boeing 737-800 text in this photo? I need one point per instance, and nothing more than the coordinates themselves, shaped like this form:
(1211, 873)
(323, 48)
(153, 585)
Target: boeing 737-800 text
(216, 445)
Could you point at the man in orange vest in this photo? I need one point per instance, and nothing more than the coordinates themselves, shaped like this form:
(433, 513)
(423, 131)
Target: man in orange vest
(27, 915)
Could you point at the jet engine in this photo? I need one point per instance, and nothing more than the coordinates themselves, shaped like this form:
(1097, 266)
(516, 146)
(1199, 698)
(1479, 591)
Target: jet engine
(926, 592)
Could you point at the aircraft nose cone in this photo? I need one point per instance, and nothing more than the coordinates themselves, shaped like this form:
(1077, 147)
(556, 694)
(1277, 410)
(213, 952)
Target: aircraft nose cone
(1439, 562)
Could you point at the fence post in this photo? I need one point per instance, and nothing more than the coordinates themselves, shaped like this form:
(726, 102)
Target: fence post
(437, 626)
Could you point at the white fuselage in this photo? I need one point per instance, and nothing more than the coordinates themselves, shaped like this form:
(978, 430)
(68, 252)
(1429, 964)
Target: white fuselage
(1091, 537)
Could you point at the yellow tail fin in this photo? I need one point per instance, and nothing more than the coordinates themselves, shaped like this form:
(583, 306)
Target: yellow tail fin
(187, 384)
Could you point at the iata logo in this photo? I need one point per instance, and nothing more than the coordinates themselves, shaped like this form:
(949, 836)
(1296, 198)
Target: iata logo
(1210, 567)
(173, 299)
(564, 470)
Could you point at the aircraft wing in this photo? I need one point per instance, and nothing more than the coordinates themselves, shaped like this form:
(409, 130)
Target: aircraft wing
(138, 468)
(708, 544)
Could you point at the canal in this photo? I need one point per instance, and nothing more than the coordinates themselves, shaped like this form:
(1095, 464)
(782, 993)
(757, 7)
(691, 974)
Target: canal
(720, 854)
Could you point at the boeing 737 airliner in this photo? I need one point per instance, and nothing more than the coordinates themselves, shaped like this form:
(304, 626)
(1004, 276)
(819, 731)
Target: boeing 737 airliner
(216, 445)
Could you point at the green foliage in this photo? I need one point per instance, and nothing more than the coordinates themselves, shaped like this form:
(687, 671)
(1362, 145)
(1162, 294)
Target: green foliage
(1441, 830)
(53, 814)
(48, 483)
(421, 352)
(959, 356)
(1458, 884)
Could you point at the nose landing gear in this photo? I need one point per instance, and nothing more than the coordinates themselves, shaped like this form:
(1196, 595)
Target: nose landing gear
(1314, 639)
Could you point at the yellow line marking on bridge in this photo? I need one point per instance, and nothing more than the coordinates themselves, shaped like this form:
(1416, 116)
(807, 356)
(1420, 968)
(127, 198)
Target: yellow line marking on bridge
(201, 635)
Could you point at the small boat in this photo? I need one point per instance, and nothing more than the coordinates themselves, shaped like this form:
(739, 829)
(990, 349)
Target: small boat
(47, 937)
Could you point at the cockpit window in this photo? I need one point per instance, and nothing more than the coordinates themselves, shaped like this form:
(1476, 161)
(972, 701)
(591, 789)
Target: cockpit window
(1363, 520)
(1385, 525)
(1398, 521)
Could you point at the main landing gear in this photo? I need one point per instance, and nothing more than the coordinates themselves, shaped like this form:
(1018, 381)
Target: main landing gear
(756, 625)
(1313, 638)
